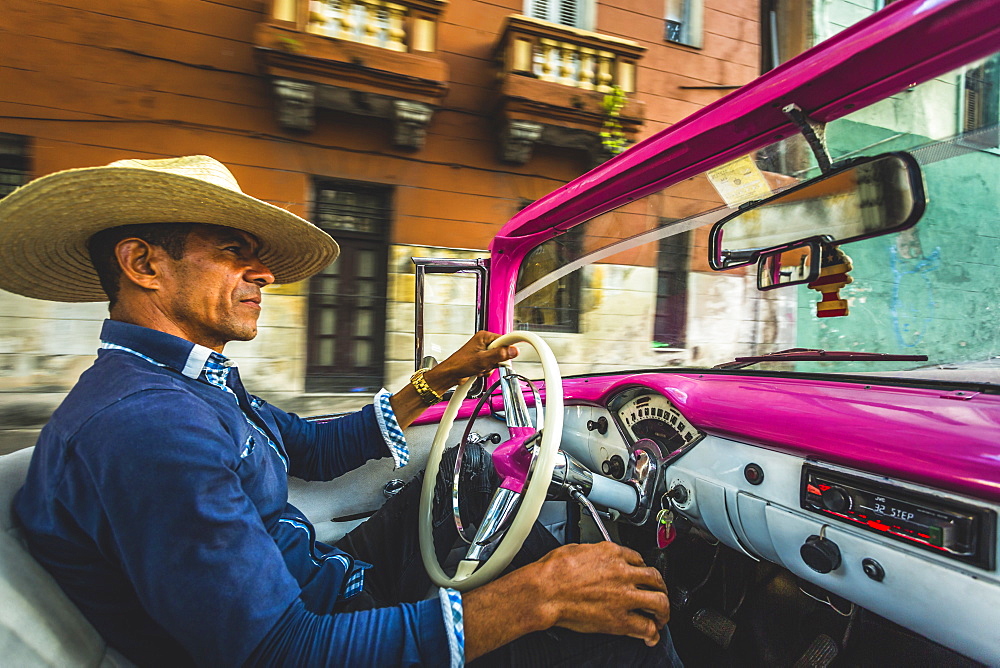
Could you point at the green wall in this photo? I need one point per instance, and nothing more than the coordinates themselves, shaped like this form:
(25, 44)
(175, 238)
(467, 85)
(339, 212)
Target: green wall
(932, 290)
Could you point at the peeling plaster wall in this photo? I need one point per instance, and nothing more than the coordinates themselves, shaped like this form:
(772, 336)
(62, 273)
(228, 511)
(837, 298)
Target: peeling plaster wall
(930, 290)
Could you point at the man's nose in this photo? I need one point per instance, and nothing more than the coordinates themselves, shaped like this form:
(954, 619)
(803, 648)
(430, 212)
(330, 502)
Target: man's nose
(259, 273)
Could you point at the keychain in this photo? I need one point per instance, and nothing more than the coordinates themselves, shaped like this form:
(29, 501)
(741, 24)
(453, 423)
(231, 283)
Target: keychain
(665, 530)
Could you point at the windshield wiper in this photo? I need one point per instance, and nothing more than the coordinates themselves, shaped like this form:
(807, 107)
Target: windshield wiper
(818, 355)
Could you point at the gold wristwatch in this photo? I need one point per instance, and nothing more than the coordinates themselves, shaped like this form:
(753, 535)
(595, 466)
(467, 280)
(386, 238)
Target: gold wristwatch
(425, 391)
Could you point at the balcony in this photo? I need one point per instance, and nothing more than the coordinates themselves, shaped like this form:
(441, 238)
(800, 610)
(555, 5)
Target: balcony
(553, 83)
(366, 57)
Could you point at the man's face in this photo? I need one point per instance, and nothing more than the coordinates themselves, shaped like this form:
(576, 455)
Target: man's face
(212, 294)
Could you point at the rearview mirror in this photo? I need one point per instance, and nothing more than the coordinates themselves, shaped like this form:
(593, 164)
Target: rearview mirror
(867, 198)
(792, 266)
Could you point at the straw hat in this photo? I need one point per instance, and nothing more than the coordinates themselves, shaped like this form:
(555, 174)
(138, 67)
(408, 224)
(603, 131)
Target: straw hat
(45, 225)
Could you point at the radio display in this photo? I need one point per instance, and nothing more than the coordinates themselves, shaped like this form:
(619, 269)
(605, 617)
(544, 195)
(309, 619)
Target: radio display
(937, 524)
(901, 517)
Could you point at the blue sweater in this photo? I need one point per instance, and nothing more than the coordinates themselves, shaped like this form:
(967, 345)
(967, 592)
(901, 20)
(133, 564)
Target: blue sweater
(157, 497)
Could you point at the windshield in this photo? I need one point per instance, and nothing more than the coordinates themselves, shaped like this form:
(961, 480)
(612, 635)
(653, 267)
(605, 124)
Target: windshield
(632, 289)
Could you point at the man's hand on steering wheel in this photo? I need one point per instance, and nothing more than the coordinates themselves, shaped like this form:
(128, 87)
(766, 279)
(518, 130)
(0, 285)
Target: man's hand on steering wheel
(472, 359)
(602, 588)
(525, 474)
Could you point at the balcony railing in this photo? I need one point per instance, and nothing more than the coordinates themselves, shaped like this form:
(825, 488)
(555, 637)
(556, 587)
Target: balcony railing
(568, 56)
(381, 54)
(404, 26)
(376, 23)
(553, 84)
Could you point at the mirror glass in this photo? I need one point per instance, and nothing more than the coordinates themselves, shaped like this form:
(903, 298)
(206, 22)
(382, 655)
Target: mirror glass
(792, 266)
(864, 199)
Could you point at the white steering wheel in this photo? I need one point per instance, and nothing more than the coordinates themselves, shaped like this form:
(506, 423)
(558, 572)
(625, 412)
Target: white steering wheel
(518, 493)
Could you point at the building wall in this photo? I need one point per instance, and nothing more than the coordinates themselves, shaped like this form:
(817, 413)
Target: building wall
(88, 83)
(932, 280)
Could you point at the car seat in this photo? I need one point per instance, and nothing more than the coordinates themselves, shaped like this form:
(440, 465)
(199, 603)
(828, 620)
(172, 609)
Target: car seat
(39, 625)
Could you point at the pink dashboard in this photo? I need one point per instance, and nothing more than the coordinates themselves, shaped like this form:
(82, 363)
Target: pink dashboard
(943, 438)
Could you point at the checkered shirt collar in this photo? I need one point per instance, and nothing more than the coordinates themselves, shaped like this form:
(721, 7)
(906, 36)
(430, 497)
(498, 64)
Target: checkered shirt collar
(190, 359)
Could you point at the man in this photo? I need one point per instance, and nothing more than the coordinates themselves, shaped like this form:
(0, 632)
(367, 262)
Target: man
(157, 493)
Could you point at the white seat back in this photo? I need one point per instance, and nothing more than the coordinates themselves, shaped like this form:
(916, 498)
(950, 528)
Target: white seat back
(39, 625)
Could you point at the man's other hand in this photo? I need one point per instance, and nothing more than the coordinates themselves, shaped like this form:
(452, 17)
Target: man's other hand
(472, 359)
(604, 588)
(590, 588)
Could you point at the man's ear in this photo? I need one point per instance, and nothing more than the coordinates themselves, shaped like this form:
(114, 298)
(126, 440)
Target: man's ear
(140, 262)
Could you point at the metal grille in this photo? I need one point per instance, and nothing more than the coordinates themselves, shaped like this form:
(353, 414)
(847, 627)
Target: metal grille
(674, 31)
(347, 208)
(676, 23)
(347, 300)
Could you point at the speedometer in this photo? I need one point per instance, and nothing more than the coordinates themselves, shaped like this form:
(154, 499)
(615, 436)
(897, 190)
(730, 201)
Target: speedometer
(653, 416)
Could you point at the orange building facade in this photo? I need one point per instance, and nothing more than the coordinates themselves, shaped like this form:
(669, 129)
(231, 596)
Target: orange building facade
(409, 128)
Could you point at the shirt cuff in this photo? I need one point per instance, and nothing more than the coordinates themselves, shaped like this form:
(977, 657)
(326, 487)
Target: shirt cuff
(451, 608)
(393, 435)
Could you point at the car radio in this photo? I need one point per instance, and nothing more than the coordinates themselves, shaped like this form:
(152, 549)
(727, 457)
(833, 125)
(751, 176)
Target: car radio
(940, 524)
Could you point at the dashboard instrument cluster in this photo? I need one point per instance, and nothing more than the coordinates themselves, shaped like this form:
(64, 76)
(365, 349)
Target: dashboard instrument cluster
(644, 414)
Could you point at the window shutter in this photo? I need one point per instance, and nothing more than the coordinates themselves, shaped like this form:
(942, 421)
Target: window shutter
(973, 95)
(539, 9)
(564, 12)
(980, 122)
(568, 13)
(14, 170)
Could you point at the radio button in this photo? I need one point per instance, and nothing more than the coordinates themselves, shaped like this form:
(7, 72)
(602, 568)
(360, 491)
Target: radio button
(753, 473)
(836, 499)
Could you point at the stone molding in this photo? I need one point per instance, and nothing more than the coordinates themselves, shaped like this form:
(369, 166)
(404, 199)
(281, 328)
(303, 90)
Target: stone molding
(518, 139)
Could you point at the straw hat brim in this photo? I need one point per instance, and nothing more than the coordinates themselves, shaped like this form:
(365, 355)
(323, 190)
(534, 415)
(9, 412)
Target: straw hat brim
(45, 225)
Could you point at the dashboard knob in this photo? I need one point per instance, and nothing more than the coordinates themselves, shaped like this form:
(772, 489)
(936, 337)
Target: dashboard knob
(600, 425)
(836, 499)
(614, 467)
(873, 569)
(820, 554)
